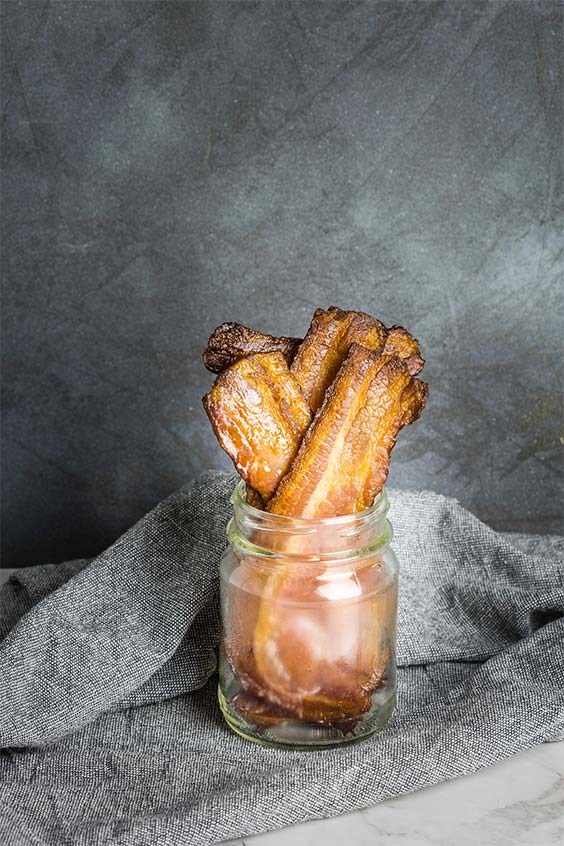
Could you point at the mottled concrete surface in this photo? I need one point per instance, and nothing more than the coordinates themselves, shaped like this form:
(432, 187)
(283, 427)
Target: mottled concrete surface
(168, 166)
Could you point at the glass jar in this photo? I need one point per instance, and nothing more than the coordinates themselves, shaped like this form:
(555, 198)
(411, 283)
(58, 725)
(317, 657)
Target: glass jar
(309, 611)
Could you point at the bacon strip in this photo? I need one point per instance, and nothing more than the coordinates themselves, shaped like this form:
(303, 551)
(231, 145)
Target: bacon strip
(344, 457)
(400, 343)
(316, 358)
(294, 653)
(261, 711)
(326, 345)
(232, 341)
(254, 498)
(323, 660)
(259, 416)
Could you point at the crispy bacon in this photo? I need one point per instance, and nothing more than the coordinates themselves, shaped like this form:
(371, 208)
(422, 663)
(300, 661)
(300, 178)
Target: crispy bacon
(400, 343)
(323, 660)
(259, 711)
(259, 415)
(344, 457)
(326, 345)
(317, 357)
(232, 341)
(254, 498)
(262, 712)
(295, 654)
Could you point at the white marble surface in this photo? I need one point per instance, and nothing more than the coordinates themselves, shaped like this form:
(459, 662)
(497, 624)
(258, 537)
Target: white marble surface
(518, 801)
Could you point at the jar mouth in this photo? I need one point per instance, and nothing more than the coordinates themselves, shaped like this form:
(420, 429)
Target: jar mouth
(378, 509)
(349, 535)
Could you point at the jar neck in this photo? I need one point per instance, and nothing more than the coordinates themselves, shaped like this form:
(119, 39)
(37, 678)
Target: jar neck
(265, 534)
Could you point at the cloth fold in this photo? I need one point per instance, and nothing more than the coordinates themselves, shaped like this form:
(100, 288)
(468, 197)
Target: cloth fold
(109, 725)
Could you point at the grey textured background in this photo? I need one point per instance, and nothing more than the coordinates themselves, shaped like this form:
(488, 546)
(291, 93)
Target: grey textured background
(168, 166)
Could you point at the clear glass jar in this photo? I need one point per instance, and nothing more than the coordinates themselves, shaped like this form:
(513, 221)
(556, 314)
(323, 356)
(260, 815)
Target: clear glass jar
(309, 612)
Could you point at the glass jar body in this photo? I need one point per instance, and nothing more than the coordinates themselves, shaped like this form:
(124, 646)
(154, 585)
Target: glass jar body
(309, 612)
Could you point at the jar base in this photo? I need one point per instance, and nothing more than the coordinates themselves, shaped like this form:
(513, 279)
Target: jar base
(303, 736)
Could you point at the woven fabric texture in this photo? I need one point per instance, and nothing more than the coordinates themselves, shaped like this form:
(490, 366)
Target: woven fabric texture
(109, 725)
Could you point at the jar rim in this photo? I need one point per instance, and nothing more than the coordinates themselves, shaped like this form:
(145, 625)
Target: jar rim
(332, 540)
(379, 508)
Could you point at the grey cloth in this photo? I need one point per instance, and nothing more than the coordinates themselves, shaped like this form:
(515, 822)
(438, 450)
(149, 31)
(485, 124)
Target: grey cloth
(109, 725)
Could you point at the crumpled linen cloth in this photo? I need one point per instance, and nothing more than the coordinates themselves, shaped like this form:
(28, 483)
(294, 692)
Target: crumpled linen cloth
(109, 725)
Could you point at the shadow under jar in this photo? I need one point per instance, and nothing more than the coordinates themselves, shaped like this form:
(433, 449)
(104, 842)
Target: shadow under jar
(309, 612)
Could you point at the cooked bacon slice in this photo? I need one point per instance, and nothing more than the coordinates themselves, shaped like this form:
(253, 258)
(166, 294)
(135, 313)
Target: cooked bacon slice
(323, 640)
(344, 457)
(259, 416)
(254, 498)
(326, 345)
(403, 345)
(232, 341)
(309, 644)
(324, 658)
(343, 715)
(260, 711)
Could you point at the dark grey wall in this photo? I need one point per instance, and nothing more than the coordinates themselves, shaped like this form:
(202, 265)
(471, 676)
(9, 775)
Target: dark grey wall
(172, 165)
